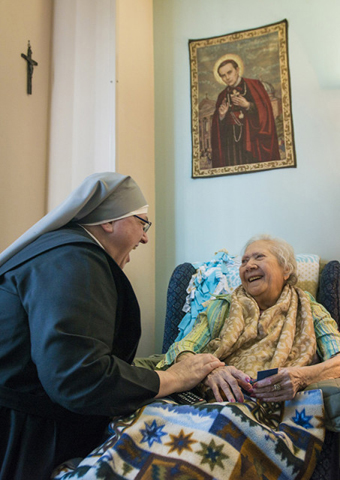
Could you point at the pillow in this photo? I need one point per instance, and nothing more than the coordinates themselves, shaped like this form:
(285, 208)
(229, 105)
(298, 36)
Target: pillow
(308, 269)
(331, 397)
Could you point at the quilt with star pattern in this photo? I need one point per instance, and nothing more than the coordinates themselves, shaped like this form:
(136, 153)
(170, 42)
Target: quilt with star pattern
(220, 441)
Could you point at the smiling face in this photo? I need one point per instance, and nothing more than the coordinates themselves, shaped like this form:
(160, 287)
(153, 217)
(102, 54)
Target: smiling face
(127, 234)
(120, 237)
(261, 274)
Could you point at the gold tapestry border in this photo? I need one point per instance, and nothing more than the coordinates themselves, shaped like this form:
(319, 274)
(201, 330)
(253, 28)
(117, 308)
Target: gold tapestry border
(289, 161)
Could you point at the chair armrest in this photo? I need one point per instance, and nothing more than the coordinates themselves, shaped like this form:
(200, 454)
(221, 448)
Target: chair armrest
(176, 296)
(329, 289)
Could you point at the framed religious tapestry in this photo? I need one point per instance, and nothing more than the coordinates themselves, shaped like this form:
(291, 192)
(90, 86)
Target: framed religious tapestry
(241, 102)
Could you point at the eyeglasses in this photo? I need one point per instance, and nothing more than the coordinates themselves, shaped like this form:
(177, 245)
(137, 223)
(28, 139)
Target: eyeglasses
(147, 223)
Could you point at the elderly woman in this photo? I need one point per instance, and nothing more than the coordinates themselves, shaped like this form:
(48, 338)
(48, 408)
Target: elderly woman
(70, 327)
(267, 322)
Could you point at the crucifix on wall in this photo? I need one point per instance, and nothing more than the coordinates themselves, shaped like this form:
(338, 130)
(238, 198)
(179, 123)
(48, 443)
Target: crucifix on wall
(30, 67)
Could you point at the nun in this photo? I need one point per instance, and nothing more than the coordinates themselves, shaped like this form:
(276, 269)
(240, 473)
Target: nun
(70, 327)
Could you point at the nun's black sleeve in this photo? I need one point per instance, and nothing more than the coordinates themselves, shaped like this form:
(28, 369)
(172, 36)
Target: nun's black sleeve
(84, 326)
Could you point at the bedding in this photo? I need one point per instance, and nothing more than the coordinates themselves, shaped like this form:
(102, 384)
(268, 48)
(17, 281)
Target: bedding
(220, 441)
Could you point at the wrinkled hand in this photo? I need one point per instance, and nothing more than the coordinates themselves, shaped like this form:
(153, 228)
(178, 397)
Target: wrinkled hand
(228, 379)
(288, 382)
(187, 373)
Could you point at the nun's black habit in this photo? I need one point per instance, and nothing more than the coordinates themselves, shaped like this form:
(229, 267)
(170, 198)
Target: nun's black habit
(70, 327)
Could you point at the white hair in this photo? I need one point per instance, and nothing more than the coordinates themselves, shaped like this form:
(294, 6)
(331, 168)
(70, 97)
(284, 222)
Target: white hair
(283, 251)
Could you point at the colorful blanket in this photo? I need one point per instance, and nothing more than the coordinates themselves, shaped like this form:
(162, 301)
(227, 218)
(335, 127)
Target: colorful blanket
(220, 441)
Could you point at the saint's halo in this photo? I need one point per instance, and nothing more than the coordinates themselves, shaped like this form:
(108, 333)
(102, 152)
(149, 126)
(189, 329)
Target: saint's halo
(228, 56)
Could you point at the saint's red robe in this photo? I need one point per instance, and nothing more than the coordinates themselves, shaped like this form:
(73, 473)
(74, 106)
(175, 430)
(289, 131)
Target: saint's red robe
(258, 140)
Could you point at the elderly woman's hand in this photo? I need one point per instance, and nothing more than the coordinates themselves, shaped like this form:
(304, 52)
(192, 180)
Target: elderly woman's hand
(282, 386)
(187, 373)
(228, 380)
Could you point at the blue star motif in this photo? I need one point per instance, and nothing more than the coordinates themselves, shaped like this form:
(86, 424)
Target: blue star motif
(302, 419)
(152, 433)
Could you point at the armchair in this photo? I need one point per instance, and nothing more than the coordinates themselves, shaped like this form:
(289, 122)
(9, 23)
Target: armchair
(327, 467)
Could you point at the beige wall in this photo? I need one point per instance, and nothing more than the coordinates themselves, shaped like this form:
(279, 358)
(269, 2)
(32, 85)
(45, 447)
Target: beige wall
(23, 118)
(135, 140)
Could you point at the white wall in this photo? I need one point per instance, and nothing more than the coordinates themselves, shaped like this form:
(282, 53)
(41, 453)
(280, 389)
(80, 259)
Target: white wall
(82, 137)
(196, 217)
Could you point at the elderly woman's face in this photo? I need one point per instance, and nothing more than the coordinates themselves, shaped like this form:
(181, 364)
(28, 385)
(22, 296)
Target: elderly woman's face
(261, 275)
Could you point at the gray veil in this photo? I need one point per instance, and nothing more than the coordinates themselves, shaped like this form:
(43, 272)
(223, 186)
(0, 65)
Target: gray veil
(99, 198)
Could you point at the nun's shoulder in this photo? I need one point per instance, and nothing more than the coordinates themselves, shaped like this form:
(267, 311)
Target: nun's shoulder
(71, 234)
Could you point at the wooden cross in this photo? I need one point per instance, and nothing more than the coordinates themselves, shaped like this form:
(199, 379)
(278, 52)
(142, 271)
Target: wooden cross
(30, 66)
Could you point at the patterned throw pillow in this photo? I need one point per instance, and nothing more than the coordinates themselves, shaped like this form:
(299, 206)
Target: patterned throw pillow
(308, 267)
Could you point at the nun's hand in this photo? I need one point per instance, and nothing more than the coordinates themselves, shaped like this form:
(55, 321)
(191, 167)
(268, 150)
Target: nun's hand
(187, 373)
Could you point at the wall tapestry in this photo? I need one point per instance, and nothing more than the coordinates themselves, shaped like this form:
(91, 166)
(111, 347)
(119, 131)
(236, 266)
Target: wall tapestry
(241, 102)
